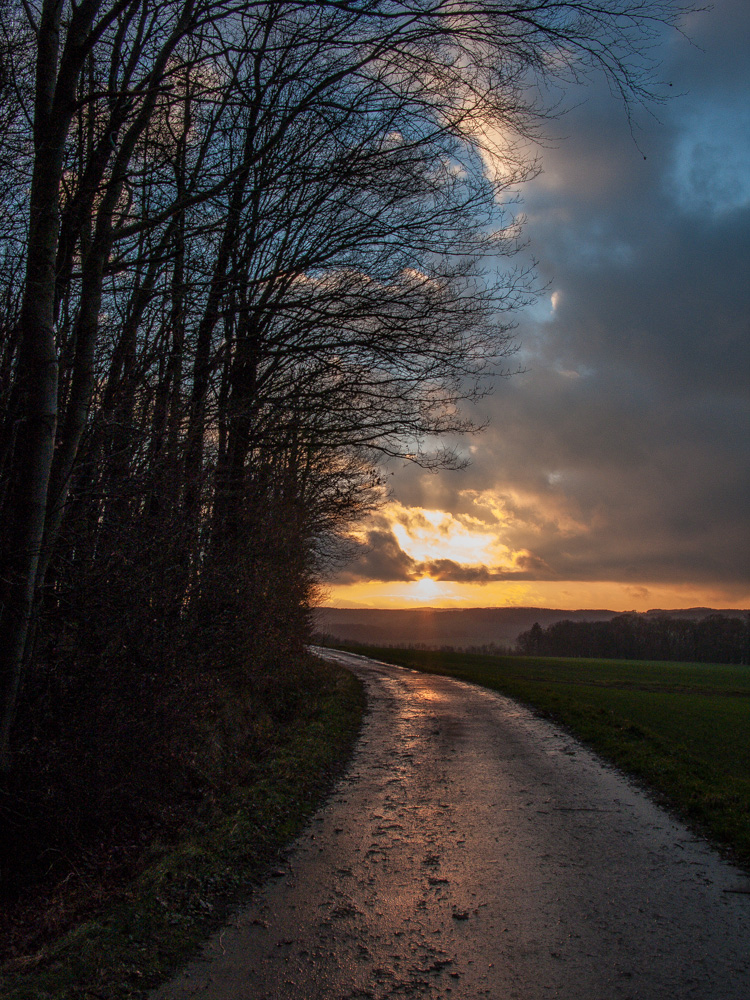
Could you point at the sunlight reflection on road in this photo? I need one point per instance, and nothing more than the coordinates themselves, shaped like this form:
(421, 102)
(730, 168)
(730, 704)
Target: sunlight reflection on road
(473, 850)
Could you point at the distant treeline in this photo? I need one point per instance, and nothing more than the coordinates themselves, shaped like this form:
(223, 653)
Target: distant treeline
(713, 639)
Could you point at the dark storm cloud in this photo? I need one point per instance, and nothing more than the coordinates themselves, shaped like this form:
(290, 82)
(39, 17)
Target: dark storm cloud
(622, 454)
(529, 567)
(377, 556)
(383, 556)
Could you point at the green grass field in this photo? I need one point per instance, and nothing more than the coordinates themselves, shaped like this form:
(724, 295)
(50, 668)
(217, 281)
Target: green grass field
(681, 728)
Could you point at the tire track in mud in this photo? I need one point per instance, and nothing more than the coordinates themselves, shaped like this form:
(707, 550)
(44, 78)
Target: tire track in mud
(473, 850)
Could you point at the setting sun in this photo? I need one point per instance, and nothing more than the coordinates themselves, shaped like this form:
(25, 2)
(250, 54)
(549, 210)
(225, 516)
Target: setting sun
(427, 589)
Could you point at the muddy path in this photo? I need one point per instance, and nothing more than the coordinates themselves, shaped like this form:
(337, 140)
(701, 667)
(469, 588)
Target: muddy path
(474, 850)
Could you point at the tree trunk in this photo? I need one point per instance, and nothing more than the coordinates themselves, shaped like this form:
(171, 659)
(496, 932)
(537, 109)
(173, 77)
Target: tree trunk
(24, 516)
(37, 375)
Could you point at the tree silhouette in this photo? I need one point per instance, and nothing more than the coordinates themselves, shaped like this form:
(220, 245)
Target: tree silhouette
(247, 251)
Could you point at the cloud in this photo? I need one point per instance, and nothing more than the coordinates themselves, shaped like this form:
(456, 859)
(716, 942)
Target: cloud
(526, 567)
(402, 544)
(447, 569)
(376, 555)
(622, 453)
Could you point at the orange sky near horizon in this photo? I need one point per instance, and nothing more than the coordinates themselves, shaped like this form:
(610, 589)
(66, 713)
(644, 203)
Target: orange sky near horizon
(416, 557)
(566, 595)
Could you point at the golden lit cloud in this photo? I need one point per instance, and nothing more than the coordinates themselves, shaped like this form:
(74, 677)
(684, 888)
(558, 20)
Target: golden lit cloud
(437, 534)
(483, 555)
(533, 513)
(490, 537)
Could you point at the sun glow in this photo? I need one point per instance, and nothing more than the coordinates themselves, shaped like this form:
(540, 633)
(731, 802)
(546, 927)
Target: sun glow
(565, 594)
(437, 534)
(427, 589)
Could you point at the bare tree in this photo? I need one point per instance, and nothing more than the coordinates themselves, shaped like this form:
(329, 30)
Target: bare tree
(252, 244)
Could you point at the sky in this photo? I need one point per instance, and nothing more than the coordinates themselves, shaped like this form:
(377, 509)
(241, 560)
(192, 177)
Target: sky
(614, 472)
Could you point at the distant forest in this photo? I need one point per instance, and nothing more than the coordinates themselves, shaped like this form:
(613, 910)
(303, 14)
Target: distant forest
(713, 639)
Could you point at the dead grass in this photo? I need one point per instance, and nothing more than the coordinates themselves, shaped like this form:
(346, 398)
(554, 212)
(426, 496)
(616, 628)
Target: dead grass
(123, 916)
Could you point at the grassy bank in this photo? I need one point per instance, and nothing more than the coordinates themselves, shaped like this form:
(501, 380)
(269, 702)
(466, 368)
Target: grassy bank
(178, 891)
(681, 728)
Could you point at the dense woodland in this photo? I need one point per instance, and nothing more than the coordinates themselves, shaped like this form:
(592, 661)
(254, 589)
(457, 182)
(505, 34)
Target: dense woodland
(246, 251)
(712, 639)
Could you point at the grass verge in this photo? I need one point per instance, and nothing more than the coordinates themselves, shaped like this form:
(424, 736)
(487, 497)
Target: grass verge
(185, 890)
(683, 729)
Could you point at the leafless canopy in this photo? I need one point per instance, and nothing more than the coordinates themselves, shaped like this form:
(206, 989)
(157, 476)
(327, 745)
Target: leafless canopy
(246, 249)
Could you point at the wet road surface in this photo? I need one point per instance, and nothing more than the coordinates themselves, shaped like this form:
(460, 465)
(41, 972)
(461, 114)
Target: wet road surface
(474, 850)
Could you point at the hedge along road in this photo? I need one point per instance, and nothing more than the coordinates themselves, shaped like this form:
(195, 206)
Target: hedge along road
(475, 850)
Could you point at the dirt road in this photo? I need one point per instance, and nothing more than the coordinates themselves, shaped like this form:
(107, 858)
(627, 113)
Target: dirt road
(474, 850)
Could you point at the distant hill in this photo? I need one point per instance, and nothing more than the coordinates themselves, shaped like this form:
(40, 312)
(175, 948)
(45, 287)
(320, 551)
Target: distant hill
(460, 627)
